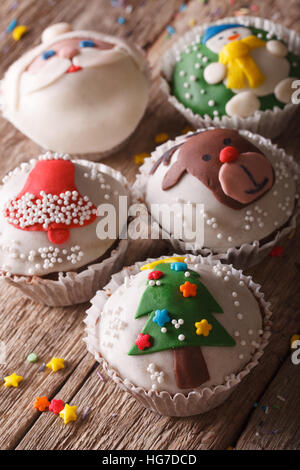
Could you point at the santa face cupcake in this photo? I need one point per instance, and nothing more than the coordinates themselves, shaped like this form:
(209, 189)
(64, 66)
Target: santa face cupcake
(48, 226)
(77, 92)
(180, 333)
(247, 188)
(233, 72)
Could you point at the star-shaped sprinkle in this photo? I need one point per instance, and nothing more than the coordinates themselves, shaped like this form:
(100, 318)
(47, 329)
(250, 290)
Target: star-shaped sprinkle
(203, 327)
(56, 406)
(41, 403)
(155, 275)
(143, 341)
(161, 317)
(12, 380)
(188, 289)
(56, 364)
(68, 413)
(179, 266)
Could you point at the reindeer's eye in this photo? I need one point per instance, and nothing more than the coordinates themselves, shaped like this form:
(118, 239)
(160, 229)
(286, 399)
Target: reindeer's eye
(227, 141)
(206, 157)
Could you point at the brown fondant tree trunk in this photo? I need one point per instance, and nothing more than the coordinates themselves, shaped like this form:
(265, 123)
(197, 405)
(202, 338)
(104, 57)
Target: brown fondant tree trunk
(190, 367)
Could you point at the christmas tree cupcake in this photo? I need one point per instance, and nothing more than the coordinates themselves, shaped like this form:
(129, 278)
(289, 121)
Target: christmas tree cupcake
(236, 72)
(78, 92)
(50, 244)
(234, 188)
(178, 333)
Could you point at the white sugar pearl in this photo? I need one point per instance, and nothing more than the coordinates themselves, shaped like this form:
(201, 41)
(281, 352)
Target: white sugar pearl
(181, 321)
(236, 303)
(240, 316)
(211, 103)
(163, 329)
(158, 283)
(181, 337)
(151, 283)
(234, 294)
(187, 274)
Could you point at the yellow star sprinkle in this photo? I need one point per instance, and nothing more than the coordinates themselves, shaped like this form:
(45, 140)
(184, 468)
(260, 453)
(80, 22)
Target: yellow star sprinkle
(56, 364)
(203, 327)
(12, 380)
(68, 413)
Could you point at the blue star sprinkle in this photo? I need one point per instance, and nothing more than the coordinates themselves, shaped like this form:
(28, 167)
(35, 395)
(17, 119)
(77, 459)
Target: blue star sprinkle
(161, 317)
(179, 266)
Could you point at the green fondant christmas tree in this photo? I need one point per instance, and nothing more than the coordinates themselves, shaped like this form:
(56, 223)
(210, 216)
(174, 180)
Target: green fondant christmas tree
(180, 317)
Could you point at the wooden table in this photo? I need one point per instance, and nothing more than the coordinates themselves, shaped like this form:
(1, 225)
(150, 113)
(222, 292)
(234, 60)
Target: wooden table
(115, 420)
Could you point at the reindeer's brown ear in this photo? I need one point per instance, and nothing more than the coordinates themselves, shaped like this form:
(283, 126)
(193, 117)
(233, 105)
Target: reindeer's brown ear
(173, 176)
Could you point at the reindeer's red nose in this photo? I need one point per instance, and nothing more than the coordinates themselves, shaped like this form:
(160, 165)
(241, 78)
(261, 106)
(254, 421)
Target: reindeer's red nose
(228, 154)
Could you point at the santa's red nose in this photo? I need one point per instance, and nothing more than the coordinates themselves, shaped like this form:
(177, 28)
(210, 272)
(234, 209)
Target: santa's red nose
(228, 154)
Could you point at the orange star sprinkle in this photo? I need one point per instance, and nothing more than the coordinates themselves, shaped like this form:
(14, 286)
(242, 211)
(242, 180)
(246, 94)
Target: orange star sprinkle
(41, 403)
(188, 289)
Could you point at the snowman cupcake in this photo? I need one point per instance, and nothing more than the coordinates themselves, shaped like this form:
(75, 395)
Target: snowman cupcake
(51, 245)
(235, 73)
(241, 188)
(78, 92)
(178, 333)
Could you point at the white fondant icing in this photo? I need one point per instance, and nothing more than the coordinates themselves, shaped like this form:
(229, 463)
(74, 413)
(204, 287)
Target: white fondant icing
(221, 362)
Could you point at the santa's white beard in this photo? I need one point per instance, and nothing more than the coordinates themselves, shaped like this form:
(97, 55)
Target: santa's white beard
(92, 110)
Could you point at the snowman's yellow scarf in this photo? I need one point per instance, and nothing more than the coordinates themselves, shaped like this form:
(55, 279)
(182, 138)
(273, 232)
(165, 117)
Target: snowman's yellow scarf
(240, 65)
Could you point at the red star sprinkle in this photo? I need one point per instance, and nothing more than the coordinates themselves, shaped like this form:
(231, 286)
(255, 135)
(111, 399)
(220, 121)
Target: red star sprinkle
(188, 289)
(155, 275)
(143, 341)
(276, 251)
(56, 406)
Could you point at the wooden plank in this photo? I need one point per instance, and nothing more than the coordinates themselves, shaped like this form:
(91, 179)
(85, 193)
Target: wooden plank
(28, 327)
(273, 424)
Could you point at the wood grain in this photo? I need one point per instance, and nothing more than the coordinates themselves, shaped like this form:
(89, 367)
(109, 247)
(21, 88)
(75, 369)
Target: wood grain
(115, 420)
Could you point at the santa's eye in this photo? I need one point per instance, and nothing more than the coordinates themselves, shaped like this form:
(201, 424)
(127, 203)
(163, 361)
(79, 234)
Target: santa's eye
(47, 54)
(227, 141)
(87, 43)
(206, 157)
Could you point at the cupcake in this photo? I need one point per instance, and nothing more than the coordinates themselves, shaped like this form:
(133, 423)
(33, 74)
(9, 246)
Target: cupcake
(51, 241)
(236, 72)
(178, 333)
(77, 92)
(243, 187)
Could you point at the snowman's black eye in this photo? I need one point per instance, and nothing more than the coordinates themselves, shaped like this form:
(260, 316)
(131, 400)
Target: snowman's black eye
(206, 157)
(220, 38)
(227, 141)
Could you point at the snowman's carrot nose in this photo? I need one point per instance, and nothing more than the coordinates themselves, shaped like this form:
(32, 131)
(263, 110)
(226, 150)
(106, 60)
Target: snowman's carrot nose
(234, 36)
(228, 154)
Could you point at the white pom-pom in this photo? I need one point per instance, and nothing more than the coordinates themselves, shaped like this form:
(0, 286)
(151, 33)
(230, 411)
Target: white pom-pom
(55, 30)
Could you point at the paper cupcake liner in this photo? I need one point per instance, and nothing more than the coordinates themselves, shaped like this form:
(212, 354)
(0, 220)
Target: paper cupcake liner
(164, 403)
(248, 254)
(74, 287)
(270, 122)
(71, 287)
